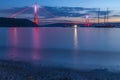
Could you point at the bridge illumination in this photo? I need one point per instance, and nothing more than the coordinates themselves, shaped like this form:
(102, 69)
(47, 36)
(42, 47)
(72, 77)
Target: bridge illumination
(36, 20)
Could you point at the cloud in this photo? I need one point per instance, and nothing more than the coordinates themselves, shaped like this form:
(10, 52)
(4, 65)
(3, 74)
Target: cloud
(115, 16)
(13, 10)
(25, 12)
(100, 12)
(52, 12)
(69, 11)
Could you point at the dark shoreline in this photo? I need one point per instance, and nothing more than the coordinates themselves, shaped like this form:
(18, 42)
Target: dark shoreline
(25, 70)
(22, 22)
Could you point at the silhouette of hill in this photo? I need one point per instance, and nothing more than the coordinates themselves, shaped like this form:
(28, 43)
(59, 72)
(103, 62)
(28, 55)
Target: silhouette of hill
(63, 25)
(15, 22)
(58, 25)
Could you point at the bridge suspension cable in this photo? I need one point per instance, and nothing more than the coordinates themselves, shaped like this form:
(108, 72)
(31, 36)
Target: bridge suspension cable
(20, 12)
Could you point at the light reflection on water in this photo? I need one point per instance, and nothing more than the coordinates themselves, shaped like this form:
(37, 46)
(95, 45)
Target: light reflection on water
(13, 36)
(75, 38)
(62, 47)
(36, 39)
(13, 41)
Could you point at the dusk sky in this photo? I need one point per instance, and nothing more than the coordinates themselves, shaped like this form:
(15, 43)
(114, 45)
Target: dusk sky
(75, 3)
(9, 7)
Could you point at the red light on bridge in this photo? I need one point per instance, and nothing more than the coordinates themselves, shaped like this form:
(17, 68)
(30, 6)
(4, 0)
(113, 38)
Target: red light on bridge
(87, 21)
(36, 20)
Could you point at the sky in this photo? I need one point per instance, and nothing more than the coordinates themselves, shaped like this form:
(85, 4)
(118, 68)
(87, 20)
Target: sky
(103, 4)
(74, 3)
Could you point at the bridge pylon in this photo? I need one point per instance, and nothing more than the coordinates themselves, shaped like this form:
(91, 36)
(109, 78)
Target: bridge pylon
(87, 21)
(36, 13)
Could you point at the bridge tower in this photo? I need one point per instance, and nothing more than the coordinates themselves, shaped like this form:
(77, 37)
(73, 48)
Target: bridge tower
(36, 16)
(87, 21)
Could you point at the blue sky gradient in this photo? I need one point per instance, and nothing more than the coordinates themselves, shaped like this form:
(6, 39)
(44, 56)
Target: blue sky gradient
(70, 3)
(9, 7)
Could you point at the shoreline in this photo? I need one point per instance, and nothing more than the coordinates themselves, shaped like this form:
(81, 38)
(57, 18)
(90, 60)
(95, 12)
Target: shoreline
(25, 70)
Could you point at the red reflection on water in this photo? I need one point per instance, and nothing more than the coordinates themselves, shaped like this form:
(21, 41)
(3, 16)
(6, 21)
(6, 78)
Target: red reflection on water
(13, 42)
(36, 55)
(36, 37)
(36, 43)
(13, 36)
(12, 54)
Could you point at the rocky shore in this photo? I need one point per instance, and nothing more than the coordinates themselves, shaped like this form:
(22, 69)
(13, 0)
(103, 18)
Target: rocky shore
(14, 70)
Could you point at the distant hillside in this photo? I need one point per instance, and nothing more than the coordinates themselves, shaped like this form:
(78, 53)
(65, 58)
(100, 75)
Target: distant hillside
(63, 25)
(58, 25)
(14, 22)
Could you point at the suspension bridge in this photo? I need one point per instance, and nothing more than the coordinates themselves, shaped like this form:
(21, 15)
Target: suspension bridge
(37, 8)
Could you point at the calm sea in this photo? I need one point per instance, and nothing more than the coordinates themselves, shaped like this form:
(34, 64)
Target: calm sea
(77, 48)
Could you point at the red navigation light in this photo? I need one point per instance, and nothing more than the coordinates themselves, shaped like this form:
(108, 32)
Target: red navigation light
(87, 22)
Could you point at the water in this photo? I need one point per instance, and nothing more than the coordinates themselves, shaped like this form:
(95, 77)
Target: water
(79, 48)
